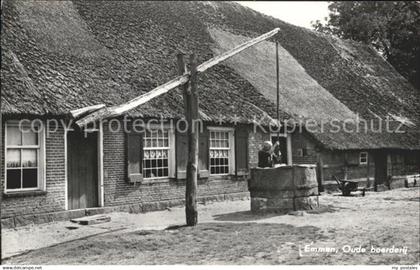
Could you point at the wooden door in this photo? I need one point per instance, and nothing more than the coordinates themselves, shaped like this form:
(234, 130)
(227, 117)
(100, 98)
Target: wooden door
(82, 169)
(381, 173)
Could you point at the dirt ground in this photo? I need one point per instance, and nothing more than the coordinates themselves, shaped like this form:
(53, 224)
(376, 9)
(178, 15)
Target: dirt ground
(229, 234)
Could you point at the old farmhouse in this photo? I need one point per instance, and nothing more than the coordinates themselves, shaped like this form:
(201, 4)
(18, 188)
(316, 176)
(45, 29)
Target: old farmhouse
(62, 60)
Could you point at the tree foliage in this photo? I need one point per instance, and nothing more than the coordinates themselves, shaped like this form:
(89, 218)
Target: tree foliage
(393, 28)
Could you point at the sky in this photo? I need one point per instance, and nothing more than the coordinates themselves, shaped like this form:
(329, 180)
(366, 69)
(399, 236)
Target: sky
(297, 13)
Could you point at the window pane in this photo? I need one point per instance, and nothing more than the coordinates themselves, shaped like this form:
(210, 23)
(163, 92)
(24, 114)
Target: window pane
(14, 136)
(30, 138)
(30, 178)
(147, 142)
(13, 178)
(29, 158)
(219, 157)
(13, 158)
(155, 161)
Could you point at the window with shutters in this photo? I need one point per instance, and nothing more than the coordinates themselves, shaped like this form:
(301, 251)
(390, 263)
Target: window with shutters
(158, 149)
(221, 151)
(24, 157)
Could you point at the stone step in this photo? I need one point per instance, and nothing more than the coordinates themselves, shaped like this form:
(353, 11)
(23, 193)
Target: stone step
(90, 220)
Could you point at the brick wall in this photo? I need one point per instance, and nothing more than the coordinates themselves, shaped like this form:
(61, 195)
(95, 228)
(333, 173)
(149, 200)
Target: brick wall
(54, 199)
(117, 191)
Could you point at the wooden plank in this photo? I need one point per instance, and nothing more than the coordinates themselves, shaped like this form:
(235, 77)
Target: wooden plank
(134, 150)
(178, 81)
(203, 154)
(120, 109)
(82, 170)
(181, 154)
(241, 149)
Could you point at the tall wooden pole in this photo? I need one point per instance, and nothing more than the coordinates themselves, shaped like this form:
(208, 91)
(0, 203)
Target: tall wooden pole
(278, 93)
(191, 114)
(192, 166)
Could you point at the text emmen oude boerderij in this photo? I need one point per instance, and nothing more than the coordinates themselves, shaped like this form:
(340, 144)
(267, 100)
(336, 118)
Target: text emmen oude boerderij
(311, 249)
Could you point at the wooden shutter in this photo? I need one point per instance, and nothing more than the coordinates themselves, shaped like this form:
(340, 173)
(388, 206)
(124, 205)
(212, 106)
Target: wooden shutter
(181, 154)
(241, 150)
(203, 154)
(134, 157)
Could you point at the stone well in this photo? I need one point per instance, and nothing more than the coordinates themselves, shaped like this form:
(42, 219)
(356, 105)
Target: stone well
(283, 188)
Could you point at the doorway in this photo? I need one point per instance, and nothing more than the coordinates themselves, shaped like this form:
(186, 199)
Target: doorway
(82, 169)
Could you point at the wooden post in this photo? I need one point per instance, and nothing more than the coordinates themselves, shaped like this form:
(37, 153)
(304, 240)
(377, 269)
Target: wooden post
(193, 133)
(181, 71)
(191, 115)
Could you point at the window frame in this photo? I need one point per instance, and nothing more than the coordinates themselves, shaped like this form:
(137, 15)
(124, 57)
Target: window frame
(41, 160)
(232, 159)
(360, 158)
(170, 148)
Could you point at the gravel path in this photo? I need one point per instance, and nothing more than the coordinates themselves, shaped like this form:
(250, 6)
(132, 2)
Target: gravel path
(229, 234)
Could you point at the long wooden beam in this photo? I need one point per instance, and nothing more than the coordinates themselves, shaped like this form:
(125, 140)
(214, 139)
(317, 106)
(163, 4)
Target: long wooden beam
(216, 60)
(79, 112)
(172, 84)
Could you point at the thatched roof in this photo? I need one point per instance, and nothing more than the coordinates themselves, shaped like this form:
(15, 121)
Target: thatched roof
(60, 56)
